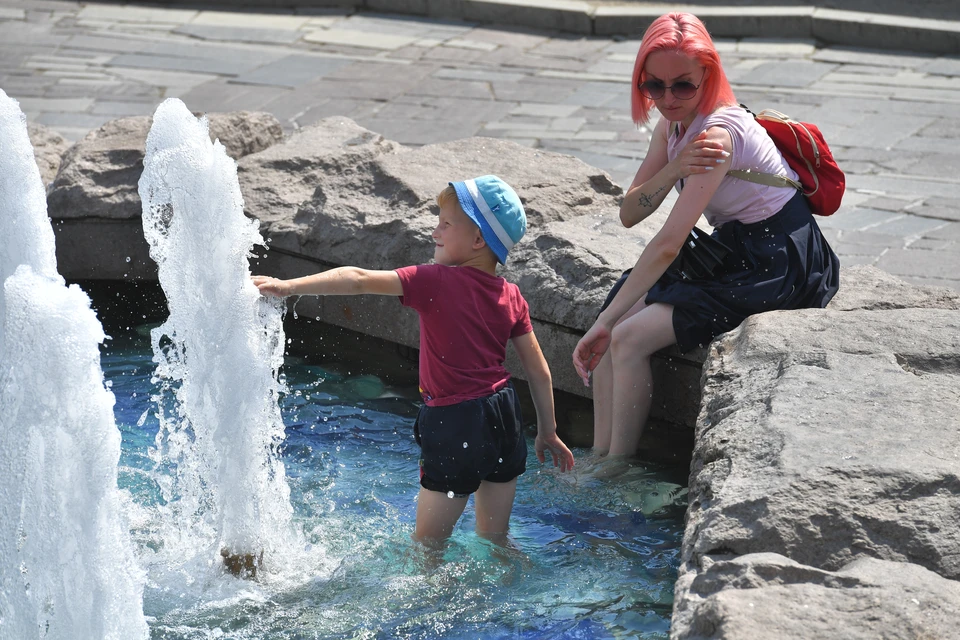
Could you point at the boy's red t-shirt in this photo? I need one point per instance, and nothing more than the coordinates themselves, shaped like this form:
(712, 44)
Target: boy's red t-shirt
(466, 318)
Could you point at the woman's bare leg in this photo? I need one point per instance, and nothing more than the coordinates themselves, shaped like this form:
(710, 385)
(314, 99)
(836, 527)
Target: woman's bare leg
(634, 341)
(602, 382)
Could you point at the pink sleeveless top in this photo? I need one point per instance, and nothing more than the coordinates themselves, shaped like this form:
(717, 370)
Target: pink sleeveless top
(753, 149)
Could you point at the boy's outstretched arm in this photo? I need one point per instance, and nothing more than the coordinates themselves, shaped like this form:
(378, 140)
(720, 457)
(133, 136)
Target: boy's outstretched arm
(541, 389)
(342, 281)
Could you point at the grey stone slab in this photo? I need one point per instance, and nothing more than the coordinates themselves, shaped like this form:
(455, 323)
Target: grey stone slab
(61, 121)
(64, 105)
(460, 88)
(909, 226)
(131, 13)
(509, 36)
(935, 244)
(937, 165)
(880, 130)
(225, 67)
(260, 19)
(925, 144)
(221, 95)
(379, 90)
(534, 90)
(857, 219)
(118, 109)
(481, 75)
(922, 108)
(794, 73)
(563, 46)
(899, 185)
(902, 80)
(419, 131)
(611, 68)
(851, 55)
(949, 283)
(871, 241)
(887, 203)
(518, 124)
(407, 25)
(292, 71)
(509, 57)
(943, 128)
(238, 34)
(455, 55)
(358, 39)
(25, 33)
(545, 110)
(939, 207)
(156, 82)
(86, 42)
(466, 43)
(920, 263)
(944, 66)
(356, 110)
(596, 94)
(949, 232)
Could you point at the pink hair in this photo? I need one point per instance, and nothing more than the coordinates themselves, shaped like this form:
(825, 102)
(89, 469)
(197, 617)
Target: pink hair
(682, 33)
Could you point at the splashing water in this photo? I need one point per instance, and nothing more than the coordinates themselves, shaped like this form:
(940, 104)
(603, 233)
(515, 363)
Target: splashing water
(217, 354)
(67, 568)
(24, 226)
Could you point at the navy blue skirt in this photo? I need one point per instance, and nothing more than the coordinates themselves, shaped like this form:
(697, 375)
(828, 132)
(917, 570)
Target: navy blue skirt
(783, 262)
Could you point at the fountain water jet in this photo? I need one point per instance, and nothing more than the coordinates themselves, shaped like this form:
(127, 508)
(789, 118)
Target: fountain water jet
(218, 352)
(67, 569)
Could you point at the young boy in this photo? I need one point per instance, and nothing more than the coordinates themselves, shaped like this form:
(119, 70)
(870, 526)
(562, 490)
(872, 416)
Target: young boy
(469, 429)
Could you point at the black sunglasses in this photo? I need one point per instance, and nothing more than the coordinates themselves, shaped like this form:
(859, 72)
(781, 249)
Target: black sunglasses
(683, 90)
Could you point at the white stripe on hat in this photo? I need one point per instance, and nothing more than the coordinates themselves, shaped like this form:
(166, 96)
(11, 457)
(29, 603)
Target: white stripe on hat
(488, 214)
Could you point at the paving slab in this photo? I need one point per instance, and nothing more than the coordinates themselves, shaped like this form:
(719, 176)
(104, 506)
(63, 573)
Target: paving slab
(291, 71)
(890, 116)
(238, 34)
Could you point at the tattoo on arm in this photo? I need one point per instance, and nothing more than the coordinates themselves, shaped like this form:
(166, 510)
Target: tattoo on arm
(647, 200)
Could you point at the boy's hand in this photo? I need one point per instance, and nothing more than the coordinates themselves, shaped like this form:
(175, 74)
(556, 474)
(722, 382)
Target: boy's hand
(271, 286)
(562, 456)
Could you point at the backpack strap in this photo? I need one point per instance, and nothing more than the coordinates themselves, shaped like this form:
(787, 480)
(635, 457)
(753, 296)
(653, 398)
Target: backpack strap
(768, 179)
(773, 179)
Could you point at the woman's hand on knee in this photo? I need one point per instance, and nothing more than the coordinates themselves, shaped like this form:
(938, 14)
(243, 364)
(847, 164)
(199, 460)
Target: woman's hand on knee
(700, 156)
(590, 350)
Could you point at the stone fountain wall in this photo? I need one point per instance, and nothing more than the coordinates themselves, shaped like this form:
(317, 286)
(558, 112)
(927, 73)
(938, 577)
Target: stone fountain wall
(825, 480)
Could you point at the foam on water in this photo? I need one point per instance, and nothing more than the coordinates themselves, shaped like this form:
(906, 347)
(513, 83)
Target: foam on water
(67, 568)
(217, 354)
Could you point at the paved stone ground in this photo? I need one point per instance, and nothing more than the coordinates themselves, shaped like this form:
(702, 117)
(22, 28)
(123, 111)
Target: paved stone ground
(891, 117)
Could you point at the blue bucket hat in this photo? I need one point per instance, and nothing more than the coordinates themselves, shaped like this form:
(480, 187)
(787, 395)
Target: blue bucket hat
(494, 207)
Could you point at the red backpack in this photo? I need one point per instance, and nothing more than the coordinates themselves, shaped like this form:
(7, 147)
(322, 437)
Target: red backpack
(807, 153)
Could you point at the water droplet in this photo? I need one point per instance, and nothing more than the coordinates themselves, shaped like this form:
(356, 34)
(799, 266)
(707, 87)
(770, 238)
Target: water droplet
(500, 460)
(449, 494)
(464, 445)
(128, 258)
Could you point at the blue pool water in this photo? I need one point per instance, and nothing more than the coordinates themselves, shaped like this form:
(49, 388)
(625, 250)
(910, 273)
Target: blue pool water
(590, 559)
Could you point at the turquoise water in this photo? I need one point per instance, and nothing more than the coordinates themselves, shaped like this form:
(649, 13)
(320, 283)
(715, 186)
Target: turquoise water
(589, 559)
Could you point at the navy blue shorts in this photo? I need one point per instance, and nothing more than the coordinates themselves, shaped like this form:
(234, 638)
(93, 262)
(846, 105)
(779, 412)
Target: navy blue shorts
(783, 262)
(466, 443)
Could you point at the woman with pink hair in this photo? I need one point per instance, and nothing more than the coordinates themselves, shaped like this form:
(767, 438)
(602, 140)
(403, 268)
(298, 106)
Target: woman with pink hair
(776, 256)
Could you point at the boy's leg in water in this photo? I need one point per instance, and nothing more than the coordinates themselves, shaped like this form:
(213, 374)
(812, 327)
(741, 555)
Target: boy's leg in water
(493, 502)
(437, 515)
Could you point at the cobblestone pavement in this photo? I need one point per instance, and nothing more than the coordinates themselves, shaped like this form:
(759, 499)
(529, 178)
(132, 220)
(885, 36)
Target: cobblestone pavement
(891, 118)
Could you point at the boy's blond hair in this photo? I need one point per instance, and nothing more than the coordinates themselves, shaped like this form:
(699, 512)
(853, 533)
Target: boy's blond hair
(446, 195)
